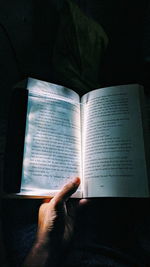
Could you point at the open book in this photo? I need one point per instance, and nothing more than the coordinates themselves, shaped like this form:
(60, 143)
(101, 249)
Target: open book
(101, 137)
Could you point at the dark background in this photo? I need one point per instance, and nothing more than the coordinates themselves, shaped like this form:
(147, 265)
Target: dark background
(28, 30)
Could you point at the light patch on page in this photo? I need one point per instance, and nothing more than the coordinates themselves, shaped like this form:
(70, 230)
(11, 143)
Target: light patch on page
(52, 144)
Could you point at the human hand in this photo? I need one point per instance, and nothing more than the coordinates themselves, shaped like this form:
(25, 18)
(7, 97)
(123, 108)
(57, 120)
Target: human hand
(55, 227)
(56, 220)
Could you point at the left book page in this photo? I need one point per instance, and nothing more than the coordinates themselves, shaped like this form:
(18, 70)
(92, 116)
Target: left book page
(52, 147)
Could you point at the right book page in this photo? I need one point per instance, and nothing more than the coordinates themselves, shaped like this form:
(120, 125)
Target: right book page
(114, 162)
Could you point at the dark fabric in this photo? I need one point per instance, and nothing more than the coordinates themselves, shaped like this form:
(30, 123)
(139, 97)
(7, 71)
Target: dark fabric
(79, 50)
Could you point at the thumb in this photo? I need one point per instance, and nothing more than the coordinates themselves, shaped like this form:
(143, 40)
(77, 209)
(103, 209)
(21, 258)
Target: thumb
(66, 191)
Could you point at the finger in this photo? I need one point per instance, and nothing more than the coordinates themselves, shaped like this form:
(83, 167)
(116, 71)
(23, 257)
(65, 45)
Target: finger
(66, 191)
(84, 201)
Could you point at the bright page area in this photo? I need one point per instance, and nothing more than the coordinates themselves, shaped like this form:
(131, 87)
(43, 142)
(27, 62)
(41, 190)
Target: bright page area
(52, 139)
(113, 146)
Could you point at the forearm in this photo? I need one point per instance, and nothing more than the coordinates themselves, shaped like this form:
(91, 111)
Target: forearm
(42, 255)
(38, 256)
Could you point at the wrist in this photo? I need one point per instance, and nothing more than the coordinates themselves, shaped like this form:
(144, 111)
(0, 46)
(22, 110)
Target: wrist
(42, 239)
(48, 252)
(49, 241)
(42, 244)
(38, 256)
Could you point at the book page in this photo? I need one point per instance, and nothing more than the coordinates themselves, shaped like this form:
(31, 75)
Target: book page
(52, 140)
(46, 89)
(113, 147)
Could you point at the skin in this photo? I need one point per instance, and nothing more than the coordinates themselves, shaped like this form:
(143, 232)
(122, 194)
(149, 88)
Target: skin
(55, 228)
